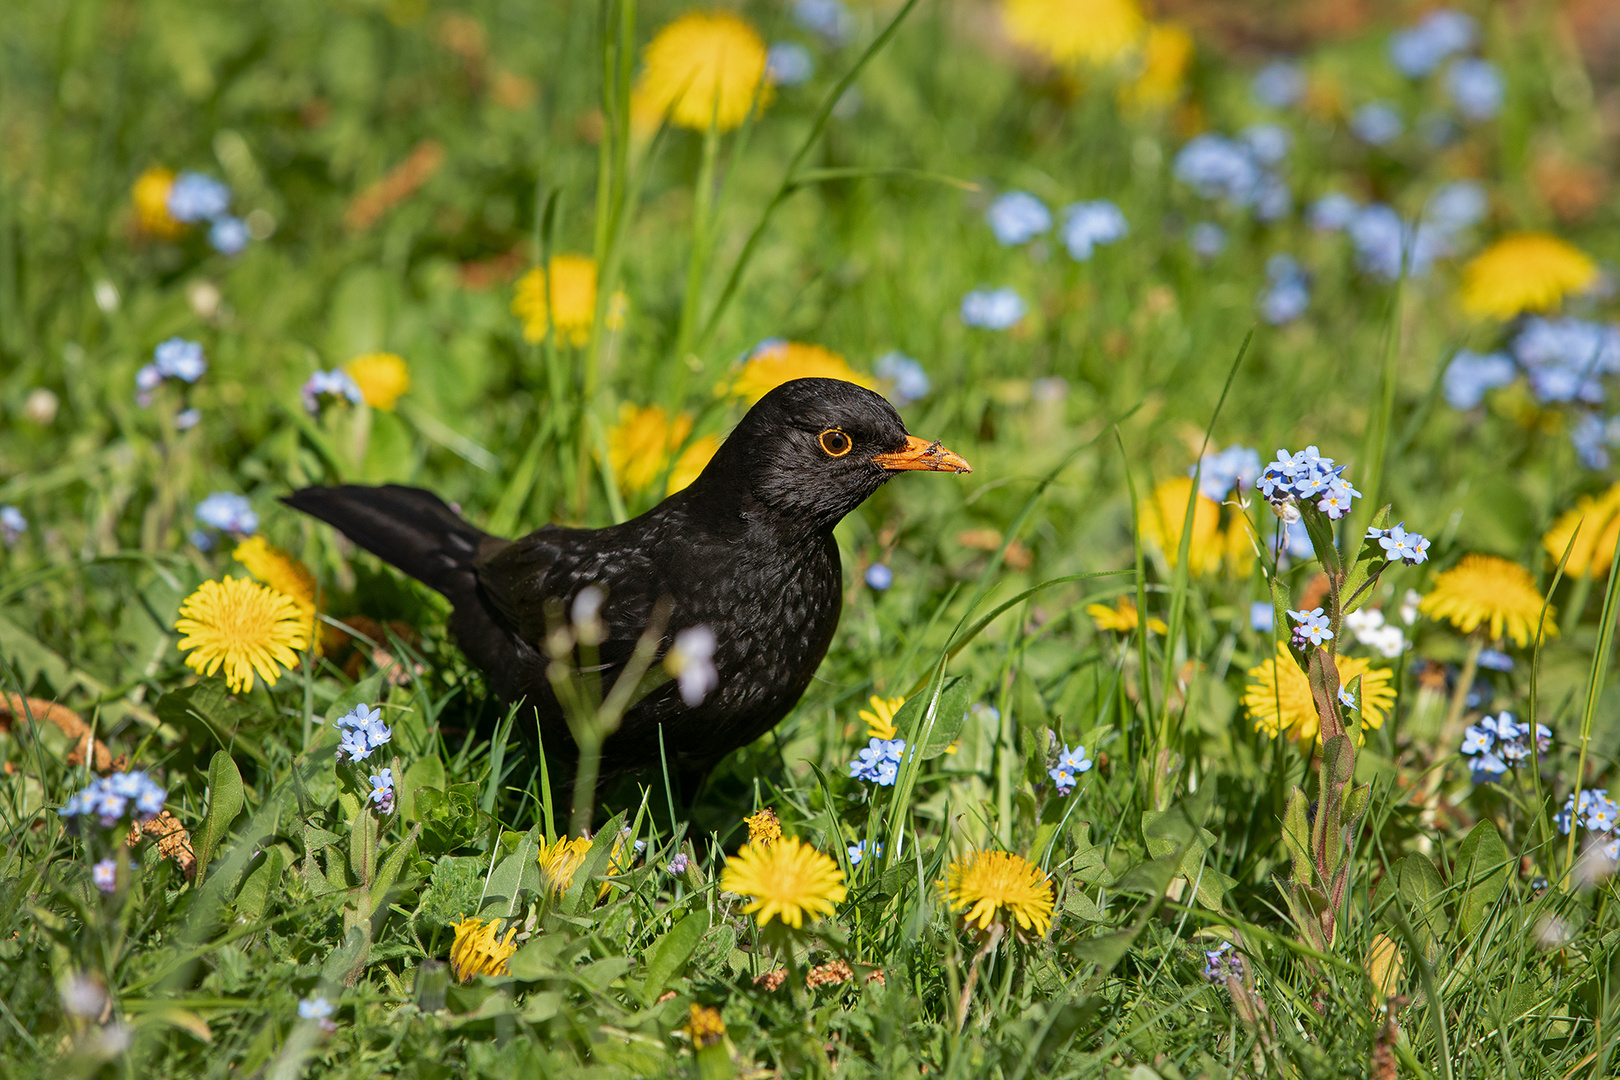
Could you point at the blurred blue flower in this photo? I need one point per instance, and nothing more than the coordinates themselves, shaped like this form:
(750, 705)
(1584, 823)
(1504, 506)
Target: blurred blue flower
(228, 512)
(993, 309)
(1377, 123)
(787, 63)
(1495, 660)
(829, 18)
(1086, 225)
(1459, 205)
(1207, 239)
(905, 375)
(1346, 698)
(1278, 85)
(1592, 438)
(1436, 128)
(879, 762)
(147, 379)
(200, 540)
(1235, 467)
(315, 1008)
(1421, 49)
(1273, 201)
(12, 524)
(195, 197)
(1262, 616)
(186, 419)
(1017, 217)
(679, 864)
(180, 359)
(1269, 143)
(110, 798)
(1470, 374)
(228, 235)
(1576, 343)
(1565, 382)
(1332, 211)
(879, 577)
(1217, 167)
(1383, 242)
(324, 386)
(1288, 292)
(1475, 87)
(105, 875)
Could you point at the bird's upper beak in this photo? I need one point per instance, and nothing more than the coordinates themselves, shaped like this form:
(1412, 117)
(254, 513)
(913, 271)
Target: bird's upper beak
(924, 455)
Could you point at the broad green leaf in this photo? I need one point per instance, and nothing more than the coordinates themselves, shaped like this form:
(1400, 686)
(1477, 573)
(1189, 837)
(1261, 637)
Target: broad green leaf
(1482, 867)
(954, 698)
(513, 875)
(670, 952)
(388, 873)
(255, 891)
(224, 803)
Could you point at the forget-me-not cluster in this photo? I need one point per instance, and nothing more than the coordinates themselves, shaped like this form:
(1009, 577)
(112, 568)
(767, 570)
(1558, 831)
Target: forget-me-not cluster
(110, 799)
(1498, 743)
(364, 733)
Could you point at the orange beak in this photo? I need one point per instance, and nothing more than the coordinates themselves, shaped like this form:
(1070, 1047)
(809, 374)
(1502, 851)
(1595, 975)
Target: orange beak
(924, 455)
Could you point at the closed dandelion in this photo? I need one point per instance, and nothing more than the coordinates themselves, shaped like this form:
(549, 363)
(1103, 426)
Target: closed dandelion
(774, 362)
(242, 627)
(705, 69)
(785, 881)
(1484, 590)
(478, 950)
(1524, 272)
(1278, 697)
(561, 860)
(382, 378)
(988, 887)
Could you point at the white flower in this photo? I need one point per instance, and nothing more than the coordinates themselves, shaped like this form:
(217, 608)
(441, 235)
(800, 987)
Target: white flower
(691, 661)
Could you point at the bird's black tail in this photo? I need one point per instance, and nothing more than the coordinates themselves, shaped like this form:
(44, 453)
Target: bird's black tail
(407, 527)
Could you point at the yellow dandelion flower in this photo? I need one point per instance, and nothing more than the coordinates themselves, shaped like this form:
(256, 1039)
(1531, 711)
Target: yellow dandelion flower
(1160, 521)
(1279, 699)
(693, 460)
(279, 570)
(1075, 31)
(786, 880)
(777, 362)
(560, 861)
(571, 300)
(151, 198)
(764, 827)
(705, 1026)
(880, 717)
(244, 627)
(988, 886)
(1483, 589)
(382, 378)
(641, 443)
(1122, 617)
(1524, 272)
(1598, 520)
(477, 950)
(1167, 53)
(703, 69)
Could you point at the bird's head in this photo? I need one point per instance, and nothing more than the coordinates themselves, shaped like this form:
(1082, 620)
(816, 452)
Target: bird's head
(815, 449)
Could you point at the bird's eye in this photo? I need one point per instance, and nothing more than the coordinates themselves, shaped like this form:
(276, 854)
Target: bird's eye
(835, 442)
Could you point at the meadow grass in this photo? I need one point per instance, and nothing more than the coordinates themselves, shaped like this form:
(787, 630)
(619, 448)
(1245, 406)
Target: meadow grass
(399, 165)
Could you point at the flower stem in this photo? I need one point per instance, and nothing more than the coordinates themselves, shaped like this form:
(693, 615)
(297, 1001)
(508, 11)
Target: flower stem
(1459, 696)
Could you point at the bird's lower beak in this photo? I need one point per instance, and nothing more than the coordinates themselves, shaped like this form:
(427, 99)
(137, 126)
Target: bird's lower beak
(924, 455)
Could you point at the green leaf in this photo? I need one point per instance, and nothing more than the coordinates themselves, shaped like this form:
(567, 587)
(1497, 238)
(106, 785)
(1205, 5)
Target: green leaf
(224, 803)
(1320, 528)
(670, 952)
(954, 698)
(425, 772)
(1482, 864)
(255, 891)
(388, 873)
(1416, 885)
(1105, 950)
(1369, 559)
(1297, 837)
(514, 875)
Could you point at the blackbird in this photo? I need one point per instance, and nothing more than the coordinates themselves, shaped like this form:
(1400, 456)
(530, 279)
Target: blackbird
(746, 551)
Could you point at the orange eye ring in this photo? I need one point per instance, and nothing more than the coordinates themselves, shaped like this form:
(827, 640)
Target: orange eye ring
(836, 443)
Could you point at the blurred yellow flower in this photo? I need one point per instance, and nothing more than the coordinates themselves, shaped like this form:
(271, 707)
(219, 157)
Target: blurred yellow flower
(1524, 272)
(704, 69)
(1122, 618)
(786, 880)
(1167, 53)
(560, 861)
(151, 198)
(641, 443)
(477, 951)
(1161, 518)
(764, 827)
(987, 886)
(1599, 522)
(381, 376)
(776, 362)
(1486, 589)
(1279, 699)
(1075, 31)
(880, 717)
(572, 300)
(279, 570)
(704, 1026)
(244, 627)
